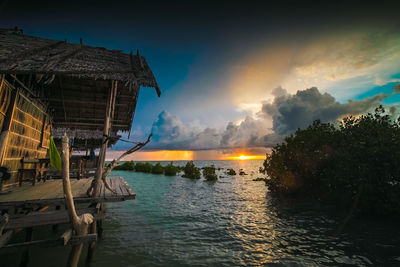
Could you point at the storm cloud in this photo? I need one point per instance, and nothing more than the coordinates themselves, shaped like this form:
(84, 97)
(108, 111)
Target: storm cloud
(288, 112)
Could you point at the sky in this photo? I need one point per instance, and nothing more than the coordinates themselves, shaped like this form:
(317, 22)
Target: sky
(236, 77)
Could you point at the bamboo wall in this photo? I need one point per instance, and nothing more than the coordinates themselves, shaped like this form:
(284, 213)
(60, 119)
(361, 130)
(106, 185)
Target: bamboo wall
(29, 135)
(5, 94)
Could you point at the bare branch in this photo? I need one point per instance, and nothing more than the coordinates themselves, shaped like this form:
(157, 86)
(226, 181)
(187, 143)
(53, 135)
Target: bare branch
(115, 163)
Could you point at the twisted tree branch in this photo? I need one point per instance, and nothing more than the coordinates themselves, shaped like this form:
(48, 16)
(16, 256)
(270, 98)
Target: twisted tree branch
(115, 163)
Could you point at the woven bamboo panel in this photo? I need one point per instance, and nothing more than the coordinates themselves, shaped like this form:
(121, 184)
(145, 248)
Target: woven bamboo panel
(5, 97)
(28, 137)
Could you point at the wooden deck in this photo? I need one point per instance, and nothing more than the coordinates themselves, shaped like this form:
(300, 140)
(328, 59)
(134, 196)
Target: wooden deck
(51, 193)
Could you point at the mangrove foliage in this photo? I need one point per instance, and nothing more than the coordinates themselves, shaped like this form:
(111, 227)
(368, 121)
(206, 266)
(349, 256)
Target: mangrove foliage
(209, 173)
(355, 164)
(191, 171)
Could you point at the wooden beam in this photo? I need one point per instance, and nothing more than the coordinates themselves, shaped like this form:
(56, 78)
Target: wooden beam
(23, 85)
(67, 72)
(91, 119)
(59, 201)
(35, 219)
(72, 124)
(106, 131)
(77, 101)
(47, 242)
(74, 240)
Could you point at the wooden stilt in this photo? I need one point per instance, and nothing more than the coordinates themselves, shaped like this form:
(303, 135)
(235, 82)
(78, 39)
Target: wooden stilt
(25, 254)
(93, 230)
(100, 223)
(100, 228)
(55, 226)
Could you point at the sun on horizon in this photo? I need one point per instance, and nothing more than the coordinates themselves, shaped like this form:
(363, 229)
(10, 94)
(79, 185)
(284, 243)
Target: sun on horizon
(246, 157)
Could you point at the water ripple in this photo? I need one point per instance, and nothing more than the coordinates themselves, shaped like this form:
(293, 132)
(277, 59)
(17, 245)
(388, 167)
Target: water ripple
(180, 222)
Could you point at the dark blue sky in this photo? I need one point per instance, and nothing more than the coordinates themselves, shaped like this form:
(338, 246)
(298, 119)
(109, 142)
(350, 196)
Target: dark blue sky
(218, 62)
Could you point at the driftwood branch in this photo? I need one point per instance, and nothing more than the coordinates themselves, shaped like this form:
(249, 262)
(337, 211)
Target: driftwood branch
(115, 163)
(80, 223)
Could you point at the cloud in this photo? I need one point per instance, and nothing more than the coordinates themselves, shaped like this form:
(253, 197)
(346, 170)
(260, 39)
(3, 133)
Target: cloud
(170, 133)
(343, 62)
(288, 112)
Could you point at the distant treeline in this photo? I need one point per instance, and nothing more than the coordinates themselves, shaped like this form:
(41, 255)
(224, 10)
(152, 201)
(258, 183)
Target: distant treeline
(147, 167)
(354, 165)
(188, 171)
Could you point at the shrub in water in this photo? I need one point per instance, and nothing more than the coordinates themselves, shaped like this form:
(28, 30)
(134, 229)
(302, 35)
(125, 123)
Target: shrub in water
(170, 170)
(209, 173)
(143, 167)
(147, 167)
(231, 172)
(126, 166)
(191, 171)
(139, 166)
(157, 169)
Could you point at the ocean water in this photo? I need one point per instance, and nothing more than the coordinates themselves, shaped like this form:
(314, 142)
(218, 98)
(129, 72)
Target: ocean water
(234, 221)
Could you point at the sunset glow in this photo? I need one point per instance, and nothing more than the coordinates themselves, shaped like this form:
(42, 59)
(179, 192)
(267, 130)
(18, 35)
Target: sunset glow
(246, 157)
(174, 155)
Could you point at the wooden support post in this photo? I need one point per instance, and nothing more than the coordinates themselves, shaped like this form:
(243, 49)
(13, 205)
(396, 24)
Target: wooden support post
(100, 222)
(81, 223)
(107, 126)
(80, 169)
(55, 226)
(93, 230)
(25, 253)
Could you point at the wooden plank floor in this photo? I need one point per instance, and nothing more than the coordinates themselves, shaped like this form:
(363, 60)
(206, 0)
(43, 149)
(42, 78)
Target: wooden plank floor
(51, 193)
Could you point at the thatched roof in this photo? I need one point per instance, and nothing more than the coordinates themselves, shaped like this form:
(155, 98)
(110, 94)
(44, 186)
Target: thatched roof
(23, 54)
(74, 80)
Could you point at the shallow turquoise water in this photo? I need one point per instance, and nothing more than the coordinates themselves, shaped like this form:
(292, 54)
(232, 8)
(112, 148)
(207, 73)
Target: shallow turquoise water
(176, 221)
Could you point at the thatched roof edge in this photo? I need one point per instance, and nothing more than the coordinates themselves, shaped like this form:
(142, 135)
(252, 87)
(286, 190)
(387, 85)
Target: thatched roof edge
(46, 58)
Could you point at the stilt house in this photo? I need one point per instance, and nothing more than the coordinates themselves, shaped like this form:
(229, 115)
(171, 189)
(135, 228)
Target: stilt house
(55, 87)
(49, 88)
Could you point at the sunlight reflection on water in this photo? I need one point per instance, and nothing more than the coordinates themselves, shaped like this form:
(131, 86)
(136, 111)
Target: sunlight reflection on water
(176, 221)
